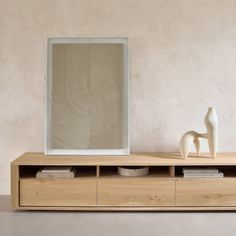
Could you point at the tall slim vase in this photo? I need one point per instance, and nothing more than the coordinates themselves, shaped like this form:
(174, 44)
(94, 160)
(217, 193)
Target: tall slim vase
(211, 122)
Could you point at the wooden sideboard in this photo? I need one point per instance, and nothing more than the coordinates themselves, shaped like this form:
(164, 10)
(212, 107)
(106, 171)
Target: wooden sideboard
(99, 187)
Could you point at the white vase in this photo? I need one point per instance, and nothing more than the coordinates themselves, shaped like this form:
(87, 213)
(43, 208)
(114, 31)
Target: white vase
(211, 122)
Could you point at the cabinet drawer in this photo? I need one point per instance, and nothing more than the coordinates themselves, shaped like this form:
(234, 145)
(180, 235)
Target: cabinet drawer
(58, 192)
(206, 192)
(136, 192)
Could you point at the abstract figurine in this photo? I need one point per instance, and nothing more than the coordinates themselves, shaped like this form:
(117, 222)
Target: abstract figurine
(192, 137)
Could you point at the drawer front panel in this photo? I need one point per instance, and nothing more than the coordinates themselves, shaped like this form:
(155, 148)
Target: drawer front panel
(58, 192)
(136, 192)
(206, 192)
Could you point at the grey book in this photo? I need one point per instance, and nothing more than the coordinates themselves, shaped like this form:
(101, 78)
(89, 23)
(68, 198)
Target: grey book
(50, 169)
(216, 175)
(54, 174)
(200, 170)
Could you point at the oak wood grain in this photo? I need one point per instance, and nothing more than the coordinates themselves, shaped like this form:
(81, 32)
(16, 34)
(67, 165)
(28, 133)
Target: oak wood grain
(105, 191)
(14, 186)
(58, 192)
(126, 208)
(206, 192)
(148, 159)
(136, 192)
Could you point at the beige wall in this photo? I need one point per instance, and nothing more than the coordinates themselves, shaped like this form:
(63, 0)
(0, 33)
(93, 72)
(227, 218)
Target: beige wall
(182, 55)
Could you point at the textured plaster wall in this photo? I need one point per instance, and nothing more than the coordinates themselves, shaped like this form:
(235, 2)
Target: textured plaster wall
(182, 60)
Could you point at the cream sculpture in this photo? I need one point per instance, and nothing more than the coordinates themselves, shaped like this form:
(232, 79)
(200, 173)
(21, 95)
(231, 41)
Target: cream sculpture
(193, 137)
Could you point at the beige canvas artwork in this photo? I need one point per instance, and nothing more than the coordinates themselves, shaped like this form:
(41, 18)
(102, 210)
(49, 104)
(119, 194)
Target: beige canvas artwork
(86, 96)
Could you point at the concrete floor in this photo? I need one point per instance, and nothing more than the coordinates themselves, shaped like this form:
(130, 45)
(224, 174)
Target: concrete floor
(112, 224)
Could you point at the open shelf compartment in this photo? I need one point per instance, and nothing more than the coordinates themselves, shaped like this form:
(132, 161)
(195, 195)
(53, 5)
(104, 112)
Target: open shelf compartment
(154, 172)
(81, 171)
(228, 171)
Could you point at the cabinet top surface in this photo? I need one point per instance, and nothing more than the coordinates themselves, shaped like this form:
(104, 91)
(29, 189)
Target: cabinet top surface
(159, 158)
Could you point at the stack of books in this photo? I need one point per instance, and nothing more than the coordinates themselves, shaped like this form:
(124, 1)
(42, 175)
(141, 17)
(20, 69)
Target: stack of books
(57, 172)
(201, 172)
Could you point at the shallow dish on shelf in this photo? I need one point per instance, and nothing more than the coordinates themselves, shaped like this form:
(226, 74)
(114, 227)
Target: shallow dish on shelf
(133, 170)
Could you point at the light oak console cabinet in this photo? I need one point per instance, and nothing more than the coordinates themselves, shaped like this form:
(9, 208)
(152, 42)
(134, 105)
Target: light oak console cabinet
(98, 187)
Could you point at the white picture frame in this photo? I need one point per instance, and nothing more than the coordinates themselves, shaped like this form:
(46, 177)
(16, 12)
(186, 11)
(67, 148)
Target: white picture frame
(125, 149)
